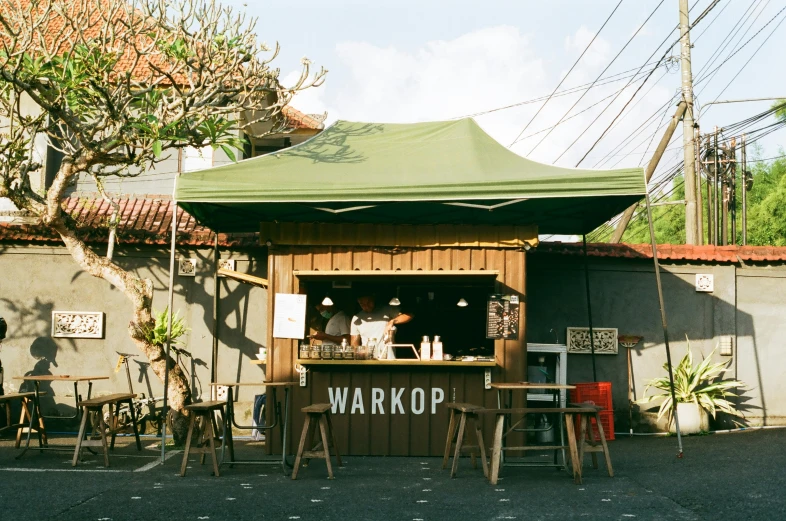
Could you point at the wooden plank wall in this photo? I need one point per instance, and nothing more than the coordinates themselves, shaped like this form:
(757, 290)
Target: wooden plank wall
(399, 435)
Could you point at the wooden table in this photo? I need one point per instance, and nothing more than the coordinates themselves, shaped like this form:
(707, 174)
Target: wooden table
(282, 423)
(498, 444)
(36, 412)
(555, 390)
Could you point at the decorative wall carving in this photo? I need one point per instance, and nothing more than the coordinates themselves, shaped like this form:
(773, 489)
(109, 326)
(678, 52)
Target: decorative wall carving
(226, 264)
(78, 324)
(186, 267)
(605, 340)
(705, 282)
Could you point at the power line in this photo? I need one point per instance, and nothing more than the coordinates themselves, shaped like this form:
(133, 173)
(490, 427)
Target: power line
(568, 74)
(701, 16)
(559, 94)
(599, 75)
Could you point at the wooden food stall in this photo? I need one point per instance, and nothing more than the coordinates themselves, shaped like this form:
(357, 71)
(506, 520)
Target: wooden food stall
(432, 214)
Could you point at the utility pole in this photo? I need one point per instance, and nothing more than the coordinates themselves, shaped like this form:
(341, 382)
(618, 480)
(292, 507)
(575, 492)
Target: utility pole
(691, 209)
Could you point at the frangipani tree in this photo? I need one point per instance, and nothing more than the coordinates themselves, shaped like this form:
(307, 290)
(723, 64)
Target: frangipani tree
(116, 86)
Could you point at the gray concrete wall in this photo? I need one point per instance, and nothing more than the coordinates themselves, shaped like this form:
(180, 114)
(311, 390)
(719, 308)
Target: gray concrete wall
(37, 280)
(748, 303)
(624, 297)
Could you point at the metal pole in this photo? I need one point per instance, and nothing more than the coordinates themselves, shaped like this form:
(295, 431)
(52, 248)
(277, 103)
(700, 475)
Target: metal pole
(170, 301)
(733, 191)
(697, 163)
(216, 289)
(691, 228)
(744, 154)
(715, 175)
(589, 309)
(663, 323)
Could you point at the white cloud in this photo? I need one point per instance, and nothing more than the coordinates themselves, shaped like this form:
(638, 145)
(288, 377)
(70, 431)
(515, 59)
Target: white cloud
(481, 70)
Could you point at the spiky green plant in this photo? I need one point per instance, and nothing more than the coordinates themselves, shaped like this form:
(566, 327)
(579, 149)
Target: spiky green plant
(156, 335)
(697, 384)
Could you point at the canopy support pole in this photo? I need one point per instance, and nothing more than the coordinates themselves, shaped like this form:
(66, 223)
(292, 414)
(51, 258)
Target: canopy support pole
(170, 303)
(589, 308)
(216, 289)
(663, 323)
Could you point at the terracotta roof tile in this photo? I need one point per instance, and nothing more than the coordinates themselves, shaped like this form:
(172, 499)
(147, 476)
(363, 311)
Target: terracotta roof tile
(144, 220)
(670, 252)
(296, 119)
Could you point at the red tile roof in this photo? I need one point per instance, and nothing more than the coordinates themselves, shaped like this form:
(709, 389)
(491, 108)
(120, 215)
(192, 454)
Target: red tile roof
(671, 252)
(298, 120)
(143, 220)
(148, 220)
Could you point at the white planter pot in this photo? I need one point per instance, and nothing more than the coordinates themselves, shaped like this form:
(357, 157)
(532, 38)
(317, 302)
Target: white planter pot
(693, 419)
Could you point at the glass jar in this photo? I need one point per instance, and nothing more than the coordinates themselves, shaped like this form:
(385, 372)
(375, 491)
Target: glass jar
(316, 352)
(361, 353)
(305, 351)
(327, 351)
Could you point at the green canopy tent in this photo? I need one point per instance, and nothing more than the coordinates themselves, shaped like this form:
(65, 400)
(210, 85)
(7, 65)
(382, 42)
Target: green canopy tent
(448, 172)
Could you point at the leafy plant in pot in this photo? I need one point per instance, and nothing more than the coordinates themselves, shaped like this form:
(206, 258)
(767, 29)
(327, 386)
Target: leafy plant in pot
(699, 392)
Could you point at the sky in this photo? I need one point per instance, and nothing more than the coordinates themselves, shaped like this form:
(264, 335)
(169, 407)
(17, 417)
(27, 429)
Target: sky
(409, 61)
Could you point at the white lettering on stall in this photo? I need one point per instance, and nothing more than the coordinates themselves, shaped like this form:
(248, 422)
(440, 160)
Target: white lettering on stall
(340, 396)
(395, 400)
(437, 396)
(338, 399)
(415, 407)
(377, 395)
(357, 402)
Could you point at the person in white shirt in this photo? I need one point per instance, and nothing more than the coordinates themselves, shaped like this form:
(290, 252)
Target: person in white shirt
(337, 328)
(374, 323)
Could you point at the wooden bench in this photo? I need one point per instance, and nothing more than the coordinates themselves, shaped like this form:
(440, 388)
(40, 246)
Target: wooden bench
(460, 414)
(317, 414)
(26, 416)
(582, 411)
(206, 434)
(100, 427)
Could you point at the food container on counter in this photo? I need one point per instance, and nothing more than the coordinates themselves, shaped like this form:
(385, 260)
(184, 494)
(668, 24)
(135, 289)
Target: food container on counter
(316, 352)
(305, 351)
(327, 351)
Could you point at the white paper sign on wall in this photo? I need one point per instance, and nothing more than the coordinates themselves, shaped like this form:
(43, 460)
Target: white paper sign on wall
(289, 317)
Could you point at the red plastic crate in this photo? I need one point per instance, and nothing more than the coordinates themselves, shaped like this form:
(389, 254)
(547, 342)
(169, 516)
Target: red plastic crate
(596, 393)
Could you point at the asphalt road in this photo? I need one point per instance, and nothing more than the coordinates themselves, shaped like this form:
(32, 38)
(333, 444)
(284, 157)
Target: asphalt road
(724, 476)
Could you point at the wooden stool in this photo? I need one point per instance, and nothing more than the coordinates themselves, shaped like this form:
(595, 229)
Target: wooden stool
(464, 411)
(588, 443)
(207, 434)
(100, 428)
(318, 413)
(26, 416)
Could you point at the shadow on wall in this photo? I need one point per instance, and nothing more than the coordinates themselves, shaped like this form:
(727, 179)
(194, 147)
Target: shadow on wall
(624, 296)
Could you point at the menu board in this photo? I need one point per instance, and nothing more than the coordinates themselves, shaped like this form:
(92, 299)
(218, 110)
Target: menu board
(289, 317)
(502, 317)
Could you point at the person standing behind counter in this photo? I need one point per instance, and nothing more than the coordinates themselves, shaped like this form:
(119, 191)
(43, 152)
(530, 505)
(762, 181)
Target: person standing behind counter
(373, 322)
(337, 327)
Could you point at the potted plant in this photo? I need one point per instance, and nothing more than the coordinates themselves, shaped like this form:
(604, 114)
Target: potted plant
(699, 392)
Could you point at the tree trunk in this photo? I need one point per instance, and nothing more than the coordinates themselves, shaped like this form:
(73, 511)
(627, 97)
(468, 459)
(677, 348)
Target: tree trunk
(140, 292)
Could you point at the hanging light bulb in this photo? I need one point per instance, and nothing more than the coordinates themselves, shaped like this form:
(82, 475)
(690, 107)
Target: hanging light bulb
(462, 303)
(395, 301)
(327, 301)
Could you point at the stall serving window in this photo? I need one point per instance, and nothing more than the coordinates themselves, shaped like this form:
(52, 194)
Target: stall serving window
(449, 304)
